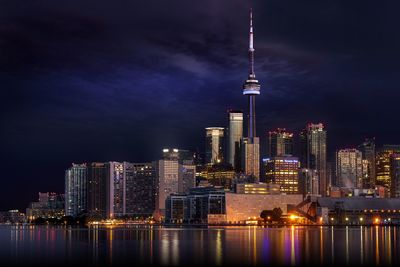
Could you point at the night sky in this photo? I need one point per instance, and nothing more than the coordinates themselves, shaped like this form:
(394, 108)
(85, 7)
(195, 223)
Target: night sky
(120, 80)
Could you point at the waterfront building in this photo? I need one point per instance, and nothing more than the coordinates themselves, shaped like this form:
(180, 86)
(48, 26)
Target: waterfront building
(395, 175)
(383, 176)
(175, 208)
(283, 170)
(140, 189)
(313, 153)
(280, 143)
(349, 168)
(247, 207)
(214, 145)
(367, 149)
(167, 172)
(12, 216)
(356, 210)
(76, 190)
(251, 88)
(49, 205)
(98, 190)
(196, 207)
(235, 135)
(115, 203)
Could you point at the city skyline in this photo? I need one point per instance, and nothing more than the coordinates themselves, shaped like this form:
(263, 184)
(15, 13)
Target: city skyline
(60, 114)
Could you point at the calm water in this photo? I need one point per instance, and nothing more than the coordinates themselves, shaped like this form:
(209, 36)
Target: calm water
(213, 246)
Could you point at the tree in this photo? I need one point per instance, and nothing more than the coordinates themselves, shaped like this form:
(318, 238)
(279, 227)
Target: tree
(266, 215)
(276, 214)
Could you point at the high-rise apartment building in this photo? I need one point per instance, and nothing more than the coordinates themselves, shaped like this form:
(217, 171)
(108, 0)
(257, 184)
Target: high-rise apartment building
(141, 189)
(116, 190)
(395, 175)
(75, 190)
(383, 176)
(367, 149)
(313, 153)
(283, 170)
(349, 168)
(214, 145)
(167, 172)
(235, 135)
(280, 143)
(98, 190)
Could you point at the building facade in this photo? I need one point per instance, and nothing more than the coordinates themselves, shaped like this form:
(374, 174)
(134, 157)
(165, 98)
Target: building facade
(140, 189)
(383, 176)
(283, 170)
(76, 190)
(235, 135)
(313, 153)
(116, 188)
(280, 143)
(243, 207)
(187, 177)
(308, 182)
(251, 157)
(367, 149)
(98, 190)
(349, 168)
(167, 172)
(214, 145)
(395, 175)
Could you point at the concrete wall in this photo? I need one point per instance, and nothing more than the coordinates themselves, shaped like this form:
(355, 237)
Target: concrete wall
(239, 207)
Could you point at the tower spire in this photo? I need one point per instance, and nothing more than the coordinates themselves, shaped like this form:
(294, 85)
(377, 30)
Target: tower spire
(251, 47)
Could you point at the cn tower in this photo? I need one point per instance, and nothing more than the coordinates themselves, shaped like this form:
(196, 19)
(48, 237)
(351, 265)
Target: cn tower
(251, 88)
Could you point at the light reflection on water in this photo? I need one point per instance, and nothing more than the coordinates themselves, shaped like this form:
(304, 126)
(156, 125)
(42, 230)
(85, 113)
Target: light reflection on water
(145, 245)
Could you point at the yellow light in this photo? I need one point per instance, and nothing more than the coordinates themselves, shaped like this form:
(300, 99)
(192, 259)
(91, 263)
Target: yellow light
(377, 220)
(293, 217)
(347, 219)
(361, 219)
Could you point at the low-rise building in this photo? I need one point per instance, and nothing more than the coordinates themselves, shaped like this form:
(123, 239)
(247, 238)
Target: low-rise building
(243, 207)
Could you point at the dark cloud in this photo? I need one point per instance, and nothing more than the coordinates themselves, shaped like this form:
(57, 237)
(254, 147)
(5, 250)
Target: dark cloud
(102, 80)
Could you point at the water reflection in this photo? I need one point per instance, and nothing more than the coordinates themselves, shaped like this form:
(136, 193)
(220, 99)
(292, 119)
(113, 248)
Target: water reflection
(290, 246)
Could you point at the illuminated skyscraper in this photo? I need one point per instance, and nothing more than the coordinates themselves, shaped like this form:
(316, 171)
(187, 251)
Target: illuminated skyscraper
(235, 135)
(251, 88)
(313, 153)
(283, 170)
(214, 145)
(116, 189)
(75, 190)
(395, 176)
(368, 152)
(349, 168)
(167, 171)
(383, 176)
(280, 142)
